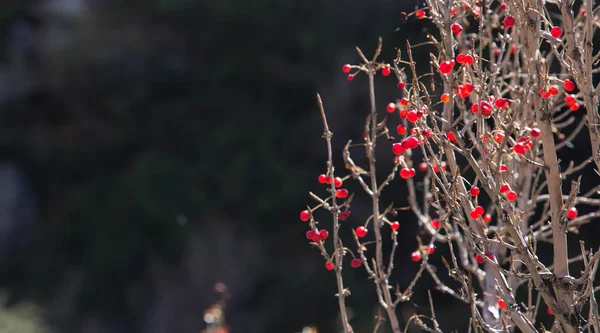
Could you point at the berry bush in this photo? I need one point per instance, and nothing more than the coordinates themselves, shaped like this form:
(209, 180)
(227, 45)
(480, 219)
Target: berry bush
(517, 85)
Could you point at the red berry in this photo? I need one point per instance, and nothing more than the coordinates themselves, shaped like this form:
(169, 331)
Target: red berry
(446, 67)
(423, 166)
(420, 14)
(436, 224)
(487, 218)
(310, 234)
(426, 133)
(445, 98)
(316, 238)
(468, 59)
(329, 266)
(479, 210)
(486, 108)
(337, 182)
(412, 172)
(385, 71)
(500, 103)
(361, 232)
(572, 213)
(344, 215)
(499, 136)
(403, 102)
(568, 85)
(322, 179)
(460, 58)
(556, 32)
(509, 22)
(475, 108)
(405, 173)
(401, 129)
(502, 305)
(490, 256)
(503, 168)
(346, 68)
(479, 259)
(304, 215)
(456, 28)
(550, 312)
(395, 226)
(412, 142)
(504, 188)
(430, 249)
(412, 116)
(415, 256)
(391, 107)
(574, 107)
(553, 90)
(451, 136)
(350, 77)
(474, 214)
(397, 148)
(511, 196)
(341, 193)
(519, 148)
(355, 263)
(502, 6)
(401, 85)
(474, 191)
(535, 132)
(323, 234)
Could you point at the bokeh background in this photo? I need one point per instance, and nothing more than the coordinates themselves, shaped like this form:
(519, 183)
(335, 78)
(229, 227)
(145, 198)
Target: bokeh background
(155, 155)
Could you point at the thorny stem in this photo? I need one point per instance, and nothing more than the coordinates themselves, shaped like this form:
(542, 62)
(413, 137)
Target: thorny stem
(337, 244)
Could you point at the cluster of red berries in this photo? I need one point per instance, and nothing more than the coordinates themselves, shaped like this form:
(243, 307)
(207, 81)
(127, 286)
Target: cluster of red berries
(416, 256)
(317, 235)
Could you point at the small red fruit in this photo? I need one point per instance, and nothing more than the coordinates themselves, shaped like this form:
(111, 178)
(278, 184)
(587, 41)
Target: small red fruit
(395, 226)
(415, 256)
(468, 59)
(502, 305)
(355, 263)
(316, 238)
(310, 234)
(490, 256)
(329, 266)
(509, 22)
(361, 232)
(391, 107)
(503, 168)
(385, 71)
(446, 67)
(322, 179)
(574, 107)
(535, 132)
(436, 224)
(337, 182)
(556, 32)
(486, 108)
(519, 148)
(412, 142)
(511, 196)
(344, 215)
(346, 68)
(474, 191)
(430, 249)
(341, 193)
(405, 173)
(350, 77)
(403, 102)
(460, 58)
(456, 28)
(420, 14)
(487, 218)
(479, 259)
(304, 215)
(445, 98)
(323, 234)
(451, 136)
(401, 85)
(572, 213)
(504, 188)
(401, 129)
(568, 85)
(550, 312)
(397, 148)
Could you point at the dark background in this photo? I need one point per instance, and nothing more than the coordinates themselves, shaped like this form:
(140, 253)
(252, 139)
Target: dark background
(151, 149)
